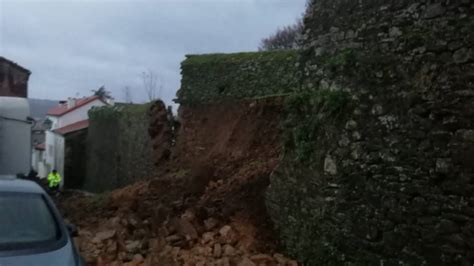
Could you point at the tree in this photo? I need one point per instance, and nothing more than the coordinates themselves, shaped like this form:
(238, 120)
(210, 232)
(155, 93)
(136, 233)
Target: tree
(102, 93)
(285, 38)
(127, 94)
(152, 85)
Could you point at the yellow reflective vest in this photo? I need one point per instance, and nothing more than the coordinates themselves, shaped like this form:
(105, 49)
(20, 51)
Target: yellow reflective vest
(54, 180)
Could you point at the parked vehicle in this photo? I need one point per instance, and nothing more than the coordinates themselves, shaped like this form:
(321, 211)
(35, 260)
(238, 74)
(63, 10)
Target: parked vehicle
(32, 232)
(15, 136)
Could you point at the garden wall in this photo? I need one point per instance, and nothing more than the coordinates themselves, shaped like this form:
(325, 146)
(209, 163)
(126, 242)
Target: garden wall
(119, 147)
(215, 78)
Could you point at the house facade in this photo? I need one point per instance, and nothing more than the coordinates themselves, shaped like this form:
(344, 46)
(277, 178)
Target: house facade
(68, 117)
(13, 79)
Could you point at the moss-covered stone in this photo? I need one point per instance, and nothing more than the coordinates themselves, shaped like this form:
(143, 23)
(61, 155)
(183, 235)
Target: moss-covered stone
(386, 182)
(120, 149)
(228, 77)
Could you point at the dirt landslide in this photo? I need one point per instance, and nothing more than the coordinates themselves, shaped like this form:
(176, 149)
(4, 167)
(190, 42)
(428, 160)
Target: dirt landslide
(205, 204)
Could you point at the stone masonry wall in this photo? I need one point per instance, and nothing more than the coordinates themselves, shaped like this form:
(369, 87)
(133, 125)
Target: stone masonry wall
(221, 77)
(120, 151)
(382, 172)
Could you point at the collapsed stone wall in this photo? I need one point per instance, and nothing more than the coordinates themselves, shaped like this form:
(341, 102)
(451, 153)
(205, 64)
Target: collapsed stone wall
(219, 77)
(162, 130)
(382, 172)
(120, 150)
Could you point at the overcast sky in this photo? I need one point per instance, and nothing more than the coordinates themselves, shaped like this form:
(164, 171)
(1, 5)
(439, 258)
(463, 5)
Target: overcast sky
(74, 46)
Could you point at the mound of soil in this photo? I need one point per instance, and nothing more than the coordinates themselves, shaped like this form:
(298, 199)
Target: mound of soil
(206, 207)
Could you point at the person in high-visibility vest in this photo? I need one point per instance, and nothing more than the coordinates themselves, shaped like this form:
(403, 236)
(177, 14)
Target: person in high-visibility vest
(54, 179)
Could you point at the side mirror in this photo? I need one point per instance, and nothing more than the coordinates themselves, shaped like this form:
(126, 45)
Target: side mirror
(72, 229)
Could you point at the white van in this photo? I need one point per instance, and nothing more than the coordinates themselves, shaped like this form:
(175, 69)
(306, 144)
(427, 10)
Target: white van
(15, 136)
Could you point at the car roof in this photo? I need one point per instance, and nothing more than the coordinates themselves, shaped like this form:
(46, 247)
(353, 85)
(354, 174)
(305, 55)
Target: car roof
(13, 184)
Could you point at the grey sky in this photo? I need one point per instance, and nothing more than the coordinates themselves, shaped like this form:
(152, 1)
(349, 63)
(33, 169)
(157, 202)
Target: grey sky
(74, 46)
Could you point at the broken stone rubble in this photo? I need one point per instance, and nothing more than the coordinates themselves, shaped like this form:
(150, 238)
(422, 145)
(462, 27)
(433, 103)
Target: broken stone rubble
(218, 246)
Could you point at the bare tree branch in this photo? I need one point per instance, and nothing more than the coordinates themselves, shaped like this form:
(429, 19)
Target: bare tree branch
(127, 94)
(152, 85)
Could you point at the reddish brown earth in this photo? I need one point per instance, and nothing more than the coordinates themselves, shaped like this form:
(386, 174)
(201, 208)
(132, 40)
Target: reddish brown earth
(205, 204)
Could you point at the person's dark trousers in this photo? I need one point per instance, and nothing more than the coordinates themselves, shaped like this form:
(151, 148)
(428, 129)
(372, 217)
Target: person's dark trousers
(53, 191)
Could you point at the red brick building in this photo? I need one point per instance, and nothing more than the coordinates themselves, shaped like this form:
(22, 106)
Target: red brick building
(13, 79)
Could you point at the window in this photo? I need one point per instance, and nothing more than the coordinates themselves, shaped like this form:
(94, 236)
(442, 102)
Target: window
(26, 222)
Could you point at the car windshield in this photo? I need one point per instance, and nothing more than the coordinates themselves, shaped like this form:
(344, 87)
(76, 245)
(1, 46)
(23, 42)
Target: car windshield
(25, 221)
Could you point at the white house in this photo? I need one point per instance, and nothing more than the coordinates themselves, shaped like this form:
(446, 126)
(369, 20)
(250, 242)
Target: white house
(68, 116)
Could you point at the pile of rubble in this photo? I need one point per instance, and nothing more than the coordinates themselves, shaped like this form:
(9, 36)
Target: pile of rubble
(183, 245)
(206, 205)
(184, 240)
(152, 223)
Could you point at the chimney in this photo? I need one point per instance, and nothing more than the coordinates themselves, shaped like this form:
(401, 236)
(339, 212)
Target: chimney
(71, 102)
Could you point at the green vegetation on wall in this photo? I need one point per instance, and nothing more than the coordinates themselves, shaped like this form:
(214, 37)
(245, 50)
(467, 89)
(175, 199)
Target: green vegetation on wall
(307, 114)
(387, 182)
(312, 120)
(222, 77)
(120, 150)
